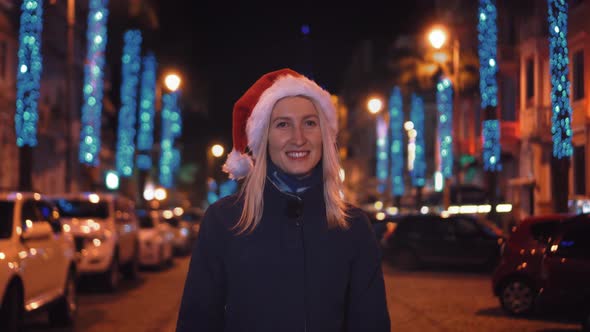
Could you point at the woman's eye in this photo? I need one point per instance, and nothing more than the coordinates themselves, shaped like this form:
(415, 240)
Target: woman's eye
(281, 124)
(310, 123)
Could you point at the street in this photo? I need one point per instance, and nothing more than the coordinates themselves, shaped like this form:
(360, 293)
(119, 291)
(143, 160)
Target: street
(425, 301)
(148, 304)
(435, 300)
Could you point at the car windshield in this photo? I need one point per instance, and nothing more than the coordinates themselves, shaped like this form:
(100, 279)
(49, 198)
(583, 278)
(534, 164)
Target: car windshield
(6, 215)
(72, 208)
(146, 221)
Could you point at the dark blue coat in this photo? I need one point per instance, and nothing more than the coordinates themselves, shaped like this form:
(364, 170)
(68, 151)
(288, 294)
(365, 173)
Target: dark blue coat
(291, 274)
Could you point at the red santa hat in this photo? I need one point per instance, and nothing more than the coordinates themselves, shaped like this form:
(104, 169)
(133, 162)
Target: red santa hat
(251, 114)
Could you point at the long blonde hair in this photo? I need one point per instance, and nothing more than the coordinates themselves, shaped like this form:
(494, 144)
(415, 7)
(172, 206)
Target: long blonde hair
(252, 190)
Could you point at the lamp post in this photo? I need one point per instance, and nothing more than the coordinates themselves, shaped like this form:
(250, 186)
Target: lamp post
(375, 106)
(437, 38)
(214, 153)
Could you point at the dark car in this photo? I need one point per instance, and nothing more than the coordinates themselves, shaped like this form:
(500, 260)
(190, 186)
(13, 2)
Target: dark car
(521, 261)
(561, 281)
(434, 240)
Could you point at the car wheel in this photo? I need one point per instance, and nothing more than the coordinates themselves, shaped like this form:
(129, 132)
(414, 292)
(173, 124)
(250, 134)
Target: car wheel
(131, 270)
(11, 311)
(63, 312)
(405, 259)
(112, 276)
(517, 297)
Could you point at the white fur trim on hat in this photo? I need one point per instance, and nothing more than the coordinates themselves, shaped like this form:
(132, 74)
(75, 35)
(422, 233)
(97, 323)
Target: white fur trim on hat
(286, 86)
(237, 165)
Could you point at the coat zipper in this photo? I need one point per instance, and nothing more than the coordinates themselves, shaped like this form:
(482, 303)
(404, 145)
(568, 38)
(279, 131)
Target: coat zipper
(299, 224)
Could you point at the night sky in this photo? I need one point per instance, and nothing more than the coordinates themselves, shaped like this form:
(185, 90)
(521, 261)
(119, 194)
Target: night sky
(222, 48)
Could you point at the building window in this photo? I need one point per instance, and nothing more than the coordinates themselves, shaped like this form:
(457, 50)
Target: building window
(3, 59)
(508, 99)
(530, 78)
(580, 170)
(578, 75)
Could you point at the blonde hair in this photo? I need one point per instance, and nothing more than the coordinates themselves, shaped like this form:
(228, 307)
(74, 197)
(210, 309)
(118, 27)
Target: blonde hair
(252, 190)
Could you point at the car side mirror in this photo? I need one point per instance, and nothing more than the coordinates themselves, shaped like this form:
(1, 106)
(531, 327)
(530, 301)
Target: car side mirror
(38, 231)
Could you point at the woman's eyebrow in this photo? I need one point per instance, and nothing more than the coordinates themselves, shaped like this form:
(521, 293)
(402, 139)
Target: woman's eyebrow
(281, 118)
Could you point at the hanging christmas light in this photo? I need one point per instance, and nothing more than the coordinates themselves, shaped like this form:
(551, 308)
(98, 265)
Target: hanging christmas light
(417, 133)
(561, 114)
(444, 104)
(171, 128)
(96, 39)
(488, 67)
(382, 156)
(28, 75)
(131, 64)
(145, 134)
(396, 125)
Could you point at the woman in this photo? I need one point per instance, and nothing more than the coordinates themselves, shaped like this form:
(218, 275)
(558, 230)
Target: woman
(287, 253)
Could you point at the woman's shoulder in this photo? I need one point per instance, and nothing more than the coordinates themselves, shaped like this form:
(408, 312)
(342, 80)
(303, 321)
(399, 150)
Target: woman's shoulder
(356, 214)
(225, 211)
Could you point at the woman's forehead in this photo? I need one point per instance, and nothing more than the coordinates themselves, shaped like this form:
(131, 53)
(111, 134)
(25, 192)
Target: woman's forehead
(294, 107)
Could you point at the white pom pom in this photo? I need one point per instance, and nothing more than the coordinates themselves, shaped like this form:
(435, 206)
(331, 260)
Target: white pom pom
(237, 165)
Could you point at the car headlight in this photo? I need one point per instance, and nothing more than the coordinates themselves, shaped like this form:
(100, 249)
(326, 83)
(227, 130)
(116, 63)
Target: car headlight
(95, 241)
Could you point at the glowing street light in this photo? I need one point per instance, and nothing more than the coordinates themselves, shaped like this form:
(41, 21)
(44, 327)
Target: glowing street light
(217, 150)
(160, 194)
(172, 82)
(374, 105)
(437, 38)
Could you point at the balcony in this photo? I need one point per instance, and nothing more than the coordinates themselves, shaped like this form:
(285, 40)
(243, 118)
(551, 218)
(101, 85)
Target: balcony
(536, 124)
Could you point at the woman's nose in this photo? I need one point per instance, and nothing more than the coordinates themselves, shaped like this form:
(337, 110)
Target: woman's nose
(298, 135)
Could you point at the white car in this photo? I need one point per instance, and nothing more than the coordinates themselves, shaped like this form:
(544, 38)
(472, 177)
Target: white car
(182, 238)
(105, 231)
(37, 264)
(155, 239)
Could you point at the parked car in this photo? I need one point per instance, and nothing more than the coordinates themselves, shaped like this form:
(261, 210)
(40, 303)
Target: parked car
(182, 232)
(521, 260)
(193, 216)
(430, 239)
(37, 264)
(559, 281)
(155, 239)
(105, 231)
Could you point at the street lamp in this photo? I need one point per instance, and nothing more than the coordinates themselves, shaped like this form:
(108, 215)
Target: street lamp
(172, 82)
(437, 37)
(374, 105)
(217, 150)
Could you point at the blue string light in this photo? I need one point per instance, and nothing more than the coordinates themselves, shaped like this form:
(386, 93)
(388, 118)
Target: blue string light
(444, 104)
(171, 129)
(145, 134)
(126, 132)
(382, 156)
(396, 125)
(488, 86)
(417, 117)
(96, 39)
(487, 51)
(561, 128)
(30, 64)
(491, 146)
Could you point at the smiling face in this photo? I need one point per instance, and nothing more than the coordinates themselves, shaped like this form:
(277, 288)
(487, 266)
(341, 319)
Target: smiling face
(295, 136)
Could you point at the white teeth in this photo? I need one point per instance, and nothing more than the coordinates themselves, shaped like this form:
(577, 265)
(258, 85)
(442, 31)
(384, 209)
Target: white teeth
(297, 154)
